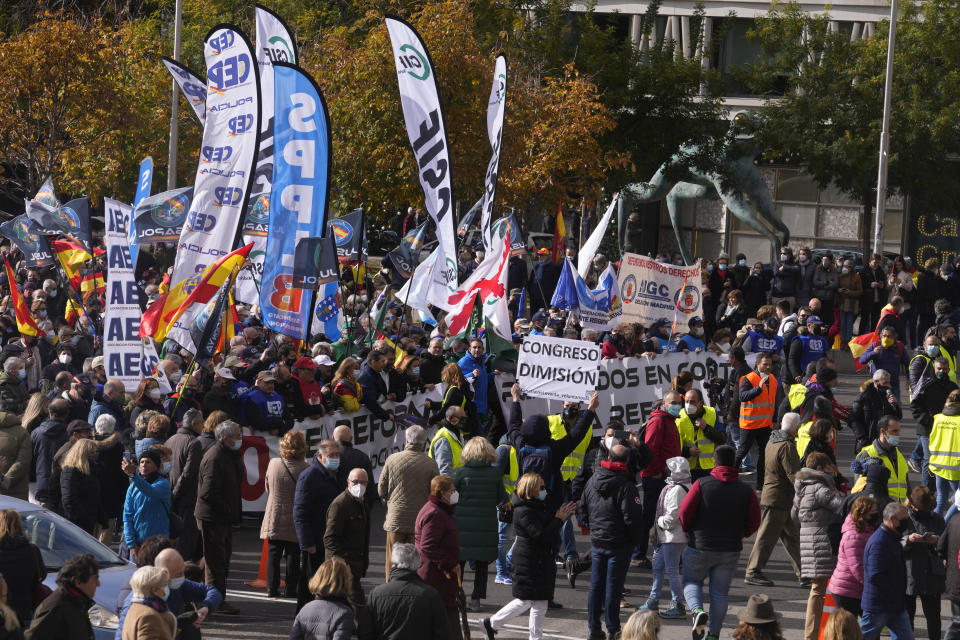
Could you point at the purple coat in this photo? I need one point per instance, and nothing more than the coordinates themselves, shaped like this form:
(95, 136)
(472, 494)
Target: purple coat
(847, 578)
(438, 541)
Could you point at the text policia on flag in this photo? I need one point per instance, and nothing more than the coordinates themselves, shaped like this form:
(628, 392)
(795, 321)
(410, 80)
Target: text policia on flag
(192, 86)
(423, 117)
(227, 157)
(654, 291)
(301, 180)
(558, 368)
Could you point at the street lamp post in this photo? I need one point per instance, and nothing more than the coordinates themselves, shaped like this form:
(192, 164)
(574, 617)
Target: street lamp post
(174, 102)
(885, 134)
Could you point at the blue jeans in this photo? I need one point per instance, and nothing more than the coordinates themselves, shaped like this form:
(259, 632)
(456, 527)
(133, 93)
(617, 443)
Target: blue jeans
(651, 494)
(873, 622)
(846, 325)
(609, 571)
(945, 489)
(719, 566)
(733, 431)
(666, 559)
(923, 457)
(567, 542)
(504, 539)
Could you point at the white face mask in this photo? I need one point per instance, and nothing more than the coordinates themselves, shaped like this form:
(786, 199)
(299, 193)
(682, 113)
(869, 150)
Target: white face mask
(455, 497)
(690, 408)
(357, 490)
(609, 442)
(724, 347)
(154, 394)
(65, 358)
(174, 377)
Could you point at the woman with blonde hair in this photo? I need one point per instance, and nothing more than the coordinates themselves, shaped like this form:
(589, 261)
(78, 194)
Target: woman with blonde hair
(329, 616)
(642, 625)
(21, 564)
(534, 569)
(80, 487)
(36, 411)
(208, 437)
(9, 622)
(346, 389)
(481, 489)
(148, 617)
(842, 625)
(277, 528)
(458, 394)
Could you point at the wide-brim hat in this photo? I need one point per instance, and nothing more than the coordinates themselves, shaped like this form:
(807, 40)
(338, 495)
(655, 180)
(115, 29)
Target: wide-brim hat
(759, 610)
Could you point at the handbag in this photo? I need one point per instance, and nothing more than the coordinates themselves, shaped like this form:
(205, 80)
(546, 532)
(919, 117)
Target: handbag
(504, 514)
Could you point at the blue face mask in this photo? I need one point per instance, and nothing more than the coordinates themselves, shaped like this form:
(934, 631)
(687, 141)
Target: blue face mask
(22, 373)
(709, 268)
(166, 592)
(674, 409)
(722, 267)
(237, 444)
(742, 263)
(332, 463)
(176, 583)
(542, 495)
(932, 350)
(415, 372)
(166, 467)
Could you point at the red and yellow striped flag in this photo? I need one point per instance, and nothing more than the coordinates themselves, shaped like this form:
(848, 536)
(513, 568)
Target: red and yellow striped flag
(71, 255)
(26, 325)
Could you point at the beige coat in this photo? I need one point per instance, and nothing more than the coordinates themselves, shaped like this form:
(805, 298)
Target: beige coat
(145, 623)
(281, 487)
(404, 486)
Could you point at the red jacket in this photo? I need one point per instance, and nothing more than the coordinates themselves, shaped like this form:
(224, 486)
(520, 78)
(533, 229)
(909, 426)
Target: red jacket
(663, 439)
(438, 541)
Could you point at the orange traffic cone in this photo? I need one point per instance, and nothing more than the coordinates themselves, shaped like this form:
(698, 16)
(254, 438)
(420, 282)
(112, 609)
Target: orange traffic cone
(829, 606)
(261, 581)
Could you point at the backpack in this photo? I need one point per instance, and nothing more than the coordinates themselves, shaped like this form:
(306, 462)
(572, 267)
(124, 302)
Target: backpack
(537, 460)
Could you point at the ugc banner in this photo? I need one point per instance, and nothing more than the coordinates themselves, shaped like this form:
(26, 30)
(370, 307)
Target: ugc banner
(557, 368)
(652, 290)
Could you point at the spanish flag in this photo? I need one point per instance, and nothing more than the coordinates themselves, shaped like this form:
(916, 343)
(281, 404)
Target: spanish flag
(25, 322)
(72, 256)
(199, 289)
(559, 237)
(859, 344)
(72, 312)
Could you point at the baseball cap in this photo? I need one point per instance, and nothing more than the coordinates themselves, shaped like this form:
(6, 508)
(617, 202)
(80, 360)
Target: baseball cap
(304, 362)
(79, 425)
(97, 362)
(233, 361)
(225, 373)
(323, 360)
(267, 376)
(543, 252)
(814, 320)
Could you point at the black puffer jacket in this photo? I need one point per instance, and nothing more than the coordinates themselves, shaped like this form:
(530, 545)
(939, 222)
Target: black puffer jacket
(925, 573)
(218, 490)
(534, 570)
(407, 608)
(611, 508)
(22, 567)
(80, 497)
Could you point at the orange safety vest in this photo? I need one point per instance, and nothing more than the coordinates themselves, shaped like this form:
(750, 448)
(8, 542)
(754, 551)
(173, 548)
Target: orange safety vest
(758, 413)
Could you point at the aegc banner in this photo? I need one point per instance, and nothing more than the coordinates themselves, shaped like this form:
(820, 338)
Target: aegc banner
(652, 290)
(301, 179)
(558, 368)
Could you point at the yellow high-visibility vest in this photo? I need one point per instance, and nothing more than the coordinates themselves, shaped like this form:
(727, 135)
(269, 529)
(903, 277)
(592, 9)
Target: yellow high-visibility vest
(513, 472)
(803, 438)
(690, 435)
(572, 463)
(456, 447)
(797, 394)
(945, 447)
(897, 484)
(952, 361)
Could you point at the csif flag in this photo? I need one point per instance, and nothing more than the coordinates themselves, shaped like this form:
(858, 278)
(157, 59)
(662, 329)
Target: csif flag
(315, 263)
(228, 155)
(496, 106)
(192, 86)
(428, 139)
(414, 291)
(301, 184)
(26, 325)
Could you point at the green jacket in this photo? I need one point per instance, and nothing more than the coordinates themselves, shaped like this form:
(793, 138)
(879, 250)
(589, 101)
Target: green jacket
(481, 489)
(13, 395)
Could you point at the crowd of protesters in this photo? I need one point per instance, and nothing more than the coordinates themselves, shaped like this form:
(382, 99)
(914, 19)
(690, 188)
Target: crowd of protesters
(158, 475)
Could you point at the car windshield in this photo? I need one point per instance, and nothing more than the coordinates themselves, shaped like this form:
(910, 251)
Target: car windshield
(59, 539)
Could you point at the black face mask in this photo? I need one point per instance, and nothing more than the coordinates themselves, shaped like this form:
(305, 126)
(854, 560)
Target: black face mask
(571, 412)
(904, 526)
(874, 520)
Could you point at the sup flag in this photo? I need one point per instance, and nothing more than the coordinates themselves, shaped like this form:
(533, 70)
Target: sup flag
(513, 232)
(347, 233)
(405, 257)
(428, 139)
(26, 325)
(315, 263)
(71, 220)
(228, 153)
(301, 182)
(193, 88)
(274, 43)
(496, 106)
(160, 217)
(28, 237)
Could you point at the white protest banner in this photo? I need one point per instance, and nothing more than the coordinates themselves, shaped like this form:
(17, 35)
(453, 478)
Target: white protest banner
(376, 438)
(630, 387)
(558, 368)
(428, 140)
(122, 347)
(652, 291)
(228, 155)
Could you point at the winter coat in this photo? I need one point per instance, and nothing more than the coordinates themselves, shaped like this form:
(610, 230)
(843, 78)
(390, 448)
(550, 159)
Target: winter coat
(146, 509)
(668, 528)
(781, 465)
(280, 481)
(850, 301)
(347, 533)
(316, 489)
(13, 394)
(218, 486)
(438, 541)
(99, 406)
(186, 455)
(815, 506)
(481, 490)
(884, 573)
(324, 619)
(22, 567)
(352, 458)
(406, 608)
(719, 511)
(113, 481)
(825, 284)
(80, 497)
(949, 547)
(925, 572)
(805, 282)
(144, 622)
(404, 486)
(847, 578)
(931, 401)
(868, 407)
(663, 439)
(16, 446)
(373, 388)
(534, 569)
(784, 283)
(734, 321)
(46, 440)
(62, 616)
(610, 508)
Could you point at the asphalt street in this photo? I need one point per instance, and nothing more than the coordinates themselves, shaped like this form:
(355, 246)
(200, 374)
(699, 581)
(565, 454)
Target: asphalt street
(265, 618)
